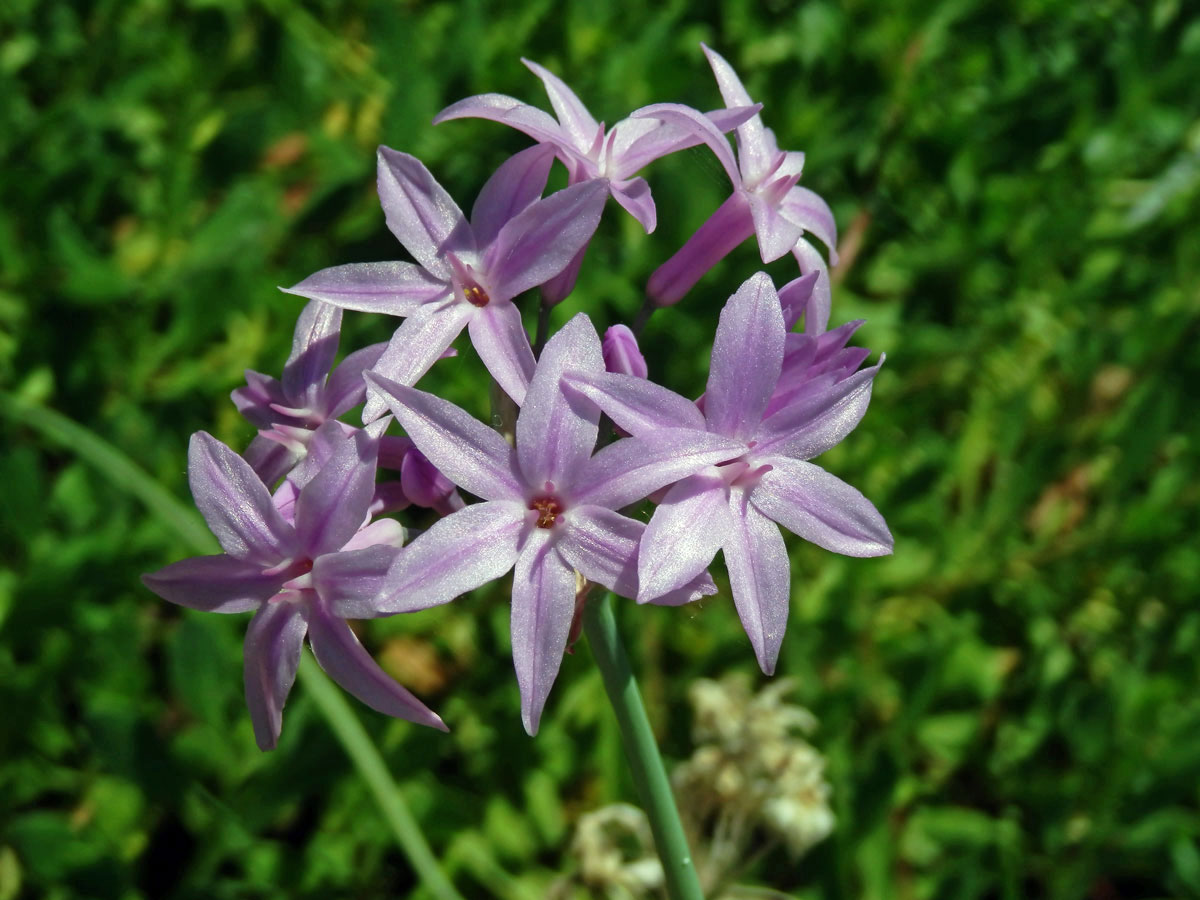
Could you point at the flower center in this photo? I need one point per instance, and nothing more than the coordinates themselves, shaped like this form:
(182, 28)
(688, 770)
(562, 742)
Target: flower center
(475, 295)
(548, 510)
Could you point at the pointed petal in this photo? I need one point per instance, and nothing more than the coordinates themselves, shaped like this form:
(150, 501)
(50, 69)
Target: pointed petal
(776, 234)
(392, 288)
(419, 212)
(235, 503)
(637, 405)
(333, 505)
(543, 605)
(700, 128)
(816, 318)
(351, 579)
(345, 661)
(530, 120)
(634, 197)
(628, 470)
(518, 182)
(219, 583)
(821, 508)
(272, 653)
(256, 400)
(500, 339)
(809, 211)
(415, 346)
(684, 534)
(457, 554)
(747, 357)
(465, 450)
(381, 533)
(759, 578)
(539, 242)
(725, 229)
(314, 345)
(346, 387)
(558, 288)
(603, 546)
(638, 141)
(813, 423)
(571, 112)
(795, 297)
(754, 149)
(556, 432)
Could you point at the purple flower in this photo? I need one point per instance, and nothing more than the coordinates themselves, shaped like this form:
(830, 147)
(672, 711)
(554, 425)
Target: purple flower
(733, 506)
(766, 201)
(590, 153)
(291, 558)
(549, 508)
(287, 412)
(467, 272)
(621, 353)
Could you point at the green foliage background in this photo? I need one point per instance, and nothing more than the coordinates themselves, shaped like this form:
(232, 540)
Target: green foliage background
(1008, 705)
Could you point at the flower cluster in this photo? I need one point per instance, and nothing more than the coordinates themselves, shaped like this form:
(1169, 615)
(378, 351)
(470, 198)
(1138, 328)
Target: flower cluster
(306, 523)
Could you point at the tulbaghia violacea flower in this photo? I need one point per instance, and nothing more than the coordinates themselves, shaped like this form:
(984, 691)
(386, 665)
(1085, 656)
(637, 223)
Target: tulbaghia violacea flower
(288, 411)
(766, 201)
(591, 153)
(467, 272)
(289, 559)
(549, 508)
(734, 506)
(621, 352)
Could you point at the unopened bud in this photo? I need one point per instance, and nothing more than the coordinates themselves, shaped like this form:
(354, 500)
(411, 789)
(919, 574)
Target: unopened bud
(621, 353)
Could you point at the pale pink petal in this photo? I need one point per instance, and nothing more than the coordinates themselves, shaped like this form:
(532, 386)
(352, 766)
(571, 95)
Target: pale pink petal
(628, 470)
(700, 129)
(530, 120)
(465, 450)
(381, 532)
(314, 346)
(543, 605)
(419, 212)
(236, 504)
(220, 584)
(352, 579)
(603, 546)
(755, 151)
(759, 578)
(747, 357)
(457, 554)
(634, 197)
(621, 353)
(821, 508)
(346, 388)
(571, 112)
(814, 422)
(809, 211)
(258, 397)
(684, 534)
(816, 318)
(638, 406)
(345, 661)
(556, 433)
(333, 505)
(274, 641)
(796, 297)
(500, 339)
(540, 241)
(393, 288)
(518, 182)
(415, 346)
(776, 234)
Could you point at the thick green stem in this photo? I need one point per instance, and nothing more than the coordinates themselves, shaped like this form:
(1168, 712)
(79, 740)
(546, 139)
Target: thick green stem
(649, 774)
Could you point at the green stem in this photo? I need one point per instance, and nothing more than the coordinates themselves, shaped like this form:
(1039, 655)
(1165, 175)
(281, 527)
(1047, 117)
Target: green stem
(127, 475)
(649, 774)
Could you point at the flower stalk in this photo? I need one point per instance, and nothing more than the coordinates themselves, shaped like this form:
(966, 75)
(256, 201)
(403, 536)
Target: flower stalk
(649, 774)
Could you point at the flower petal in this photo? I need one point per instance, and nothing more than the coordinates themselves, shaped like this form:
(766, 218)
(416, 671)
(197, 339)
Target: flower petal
(314, 346)
(821, 508)
(539, 242)
(816, 317)
(235, 503)
(258, 398)
(518, 182)
(755, 150)
(332, 507)
(634, 197)
(415, 346)
(725, 229)
(272, 654)
(684, 534)
(457, 554)
(346, 387)
(809, 211)
(351, 579)
(419, 212)
(543, 605)
(392, 288)
(796, 297)
(775, 232)
(465, 450)
(572, 114)
(747, 357)
(556, 433)
(219, 584)
(637, 405)
(628, 470)
(759, 577)
(699, 129)
(500, 339)
(343, 658)
(603, 546)
(530, 120)
(814, 422)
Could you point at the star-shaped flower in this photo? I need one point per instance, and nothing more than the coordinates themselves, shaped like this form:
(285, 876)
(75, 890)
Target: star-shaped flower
(549, 508)
(291, 558)
(733, 506)
(467, 273)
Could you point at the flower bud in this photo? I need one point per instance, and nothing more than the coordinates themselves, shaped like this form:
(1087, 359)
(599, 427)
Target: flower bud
(621, 353)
